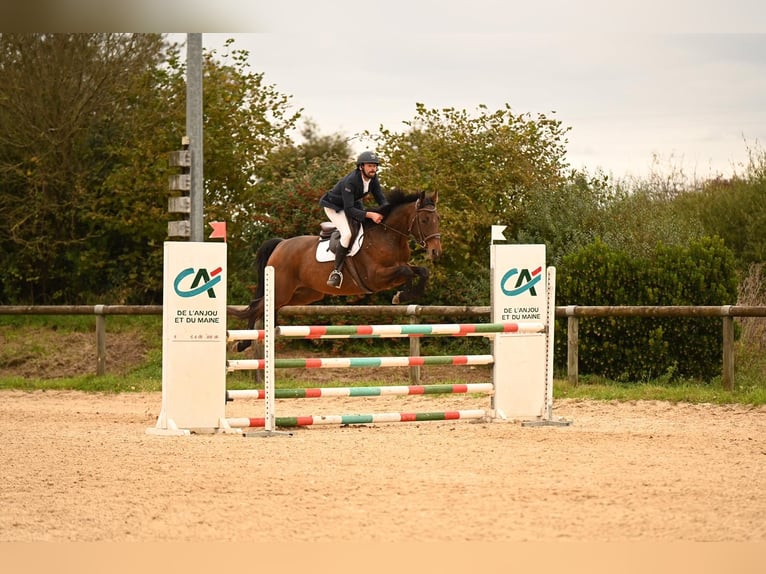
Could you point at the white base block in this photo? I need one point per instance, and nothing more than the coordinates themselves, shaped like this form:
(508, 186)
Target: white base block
(168, 432)
(519, 374)
(167, 427)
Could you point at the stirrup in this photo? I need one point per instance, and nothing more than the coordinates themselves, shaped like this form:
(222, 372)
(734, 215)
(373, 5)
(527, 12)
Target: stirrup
(335, 279)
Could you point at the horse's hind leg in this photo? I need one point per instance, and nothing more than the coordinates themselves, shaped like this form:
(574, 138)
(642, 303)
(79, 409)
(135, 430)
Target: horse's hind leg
(301, 296)
(255, 311)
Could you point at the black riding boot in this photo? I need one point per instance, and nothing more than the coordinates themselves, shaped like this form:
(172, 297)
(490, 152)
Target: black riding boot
(336, 277)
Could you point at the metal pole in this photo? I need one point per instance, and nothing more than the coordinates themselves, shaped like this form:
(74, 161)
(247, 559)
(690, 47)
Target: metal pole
(194, 132)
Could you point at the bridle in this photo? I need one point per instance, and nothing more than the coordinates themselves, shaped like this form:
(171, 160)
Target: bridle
(422, 239)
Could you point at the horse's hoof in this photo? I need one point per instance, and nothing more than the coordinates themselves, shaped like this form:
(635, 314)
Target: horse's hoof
(242, 345)
(395, 300)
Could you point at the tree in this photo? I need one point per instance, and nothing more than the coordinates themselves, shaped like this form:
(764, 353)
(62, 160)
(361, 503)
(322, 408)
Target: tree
(565, 217)
(64, 100)
(285, 202)
(734, 210)
(484, 168)
(245, 121)
(86, 123)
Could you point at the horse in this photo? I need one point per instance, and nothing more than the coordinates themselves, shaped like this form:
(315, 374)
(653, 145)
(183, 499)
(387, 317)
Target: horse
(381, 263)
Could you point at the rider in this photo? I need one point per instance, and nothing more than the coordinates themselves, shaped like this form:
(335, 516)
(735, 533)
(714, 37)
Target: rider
(344, 202)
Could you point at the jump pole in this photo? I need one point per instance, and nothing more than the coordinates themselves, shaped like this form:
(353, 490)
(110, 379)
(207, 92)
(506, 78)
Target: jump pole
(522, 291)
(269, 385)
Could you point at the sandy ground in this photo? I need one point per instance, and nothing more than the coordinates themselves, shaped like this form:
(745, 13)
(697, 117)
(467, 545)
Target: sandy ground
(80, 467)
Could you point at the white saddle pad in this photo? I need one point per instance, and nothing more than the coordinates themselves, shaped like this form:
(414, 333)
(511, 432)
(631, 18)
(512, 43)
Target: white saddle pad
(323, 253)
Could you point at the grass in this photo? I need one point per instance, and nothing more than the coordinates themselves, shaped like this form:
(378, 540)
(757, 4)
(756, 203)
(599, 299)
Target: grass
(687, 392)
(749, 385)
(749, 388)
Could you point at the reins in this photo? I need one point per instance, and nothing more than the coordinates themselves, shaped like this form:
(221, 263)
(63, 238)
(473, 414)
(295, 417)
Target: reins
(422, 240)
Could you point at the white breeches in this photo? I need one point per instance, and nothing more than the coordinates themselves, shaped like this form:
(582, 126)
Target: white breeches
(340, 221)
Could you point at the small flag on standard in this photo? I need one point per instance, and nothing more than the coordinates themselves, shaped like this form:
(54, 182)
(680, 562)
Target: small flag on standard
(497, 232)
(219, 230)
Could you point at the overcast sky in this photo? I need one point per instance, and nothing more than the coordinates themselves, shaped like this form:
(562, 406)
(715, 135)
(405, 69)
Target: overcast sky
(682, 81)
(694, 102)
(656, 85)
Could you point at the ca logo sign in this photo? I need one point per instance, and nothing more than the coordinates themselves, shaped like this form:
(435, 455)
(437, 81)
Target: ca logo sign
(525, 281)
(203, 281)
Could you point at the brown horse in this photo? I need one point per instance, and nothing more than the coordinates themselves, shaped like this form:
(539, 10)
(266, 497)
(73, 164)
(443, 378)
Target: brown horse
(380, 264)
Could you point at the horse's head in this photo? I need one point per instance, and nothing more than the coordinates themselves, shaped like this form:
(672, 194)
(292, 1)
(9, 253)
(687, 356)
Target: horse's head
(414, 215)
(425, 225)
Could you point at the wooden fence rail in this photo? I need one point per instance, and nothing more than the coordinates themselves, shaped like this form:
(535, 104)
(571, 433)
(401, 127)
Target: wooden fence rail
(100, 311)
(572, 313)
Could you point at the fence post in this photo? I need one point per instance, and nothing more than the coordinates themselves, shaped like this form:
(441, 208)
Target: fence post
(728, 350)
(414, 346)
(573, 357)
(100, 340)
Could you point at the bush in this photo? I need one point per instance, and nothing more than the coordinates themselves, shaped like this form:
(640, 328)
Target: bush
(637, 348)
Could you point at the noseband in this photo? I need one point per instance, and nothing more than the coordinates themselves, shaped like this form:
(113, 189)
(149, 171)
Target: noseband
(422, 241)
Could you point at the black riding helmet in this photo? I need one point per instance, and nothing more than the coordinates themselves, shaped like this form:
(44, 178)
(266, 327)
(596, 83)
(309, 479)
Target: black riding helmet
(367, 157)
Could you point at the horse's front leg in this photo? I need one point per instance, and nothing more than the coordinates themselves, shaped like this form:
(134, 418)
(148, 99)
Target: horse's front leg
(414, 287)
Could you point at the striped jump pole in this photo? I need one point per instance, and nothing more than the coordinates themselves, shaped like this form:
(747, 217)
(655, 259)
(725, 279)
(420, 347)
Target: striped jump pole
(312, 420)
(357, 362)
(456, 330)
(372, 331)
(245, 335)
(313, 393)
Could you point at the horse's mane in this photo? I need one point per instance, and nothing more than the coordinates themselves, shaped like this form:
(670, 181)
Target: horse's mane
(397, 197)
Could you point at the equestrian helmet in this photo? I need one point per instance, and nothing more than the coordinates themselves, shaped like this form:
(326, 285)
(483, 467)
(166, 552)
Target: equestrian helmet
(367, 157)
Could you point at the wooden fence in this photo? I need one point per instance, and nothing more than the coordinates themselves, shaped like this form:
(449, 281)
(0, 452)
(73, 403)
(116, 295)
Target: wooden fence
(572, 313)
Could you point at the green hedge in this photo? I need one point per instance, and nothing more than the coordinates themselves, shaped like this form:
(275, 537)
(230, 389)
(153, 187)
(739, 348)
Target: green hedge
(640, 349)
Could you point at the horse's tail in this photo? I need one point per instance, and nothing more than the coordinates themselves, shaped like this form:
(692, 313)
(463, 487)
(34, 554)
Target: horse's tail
(261, 259)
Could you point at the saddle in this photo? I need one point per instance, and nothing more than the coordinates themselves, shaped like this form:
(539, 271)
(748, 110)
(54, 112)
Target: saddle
(329, 239)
